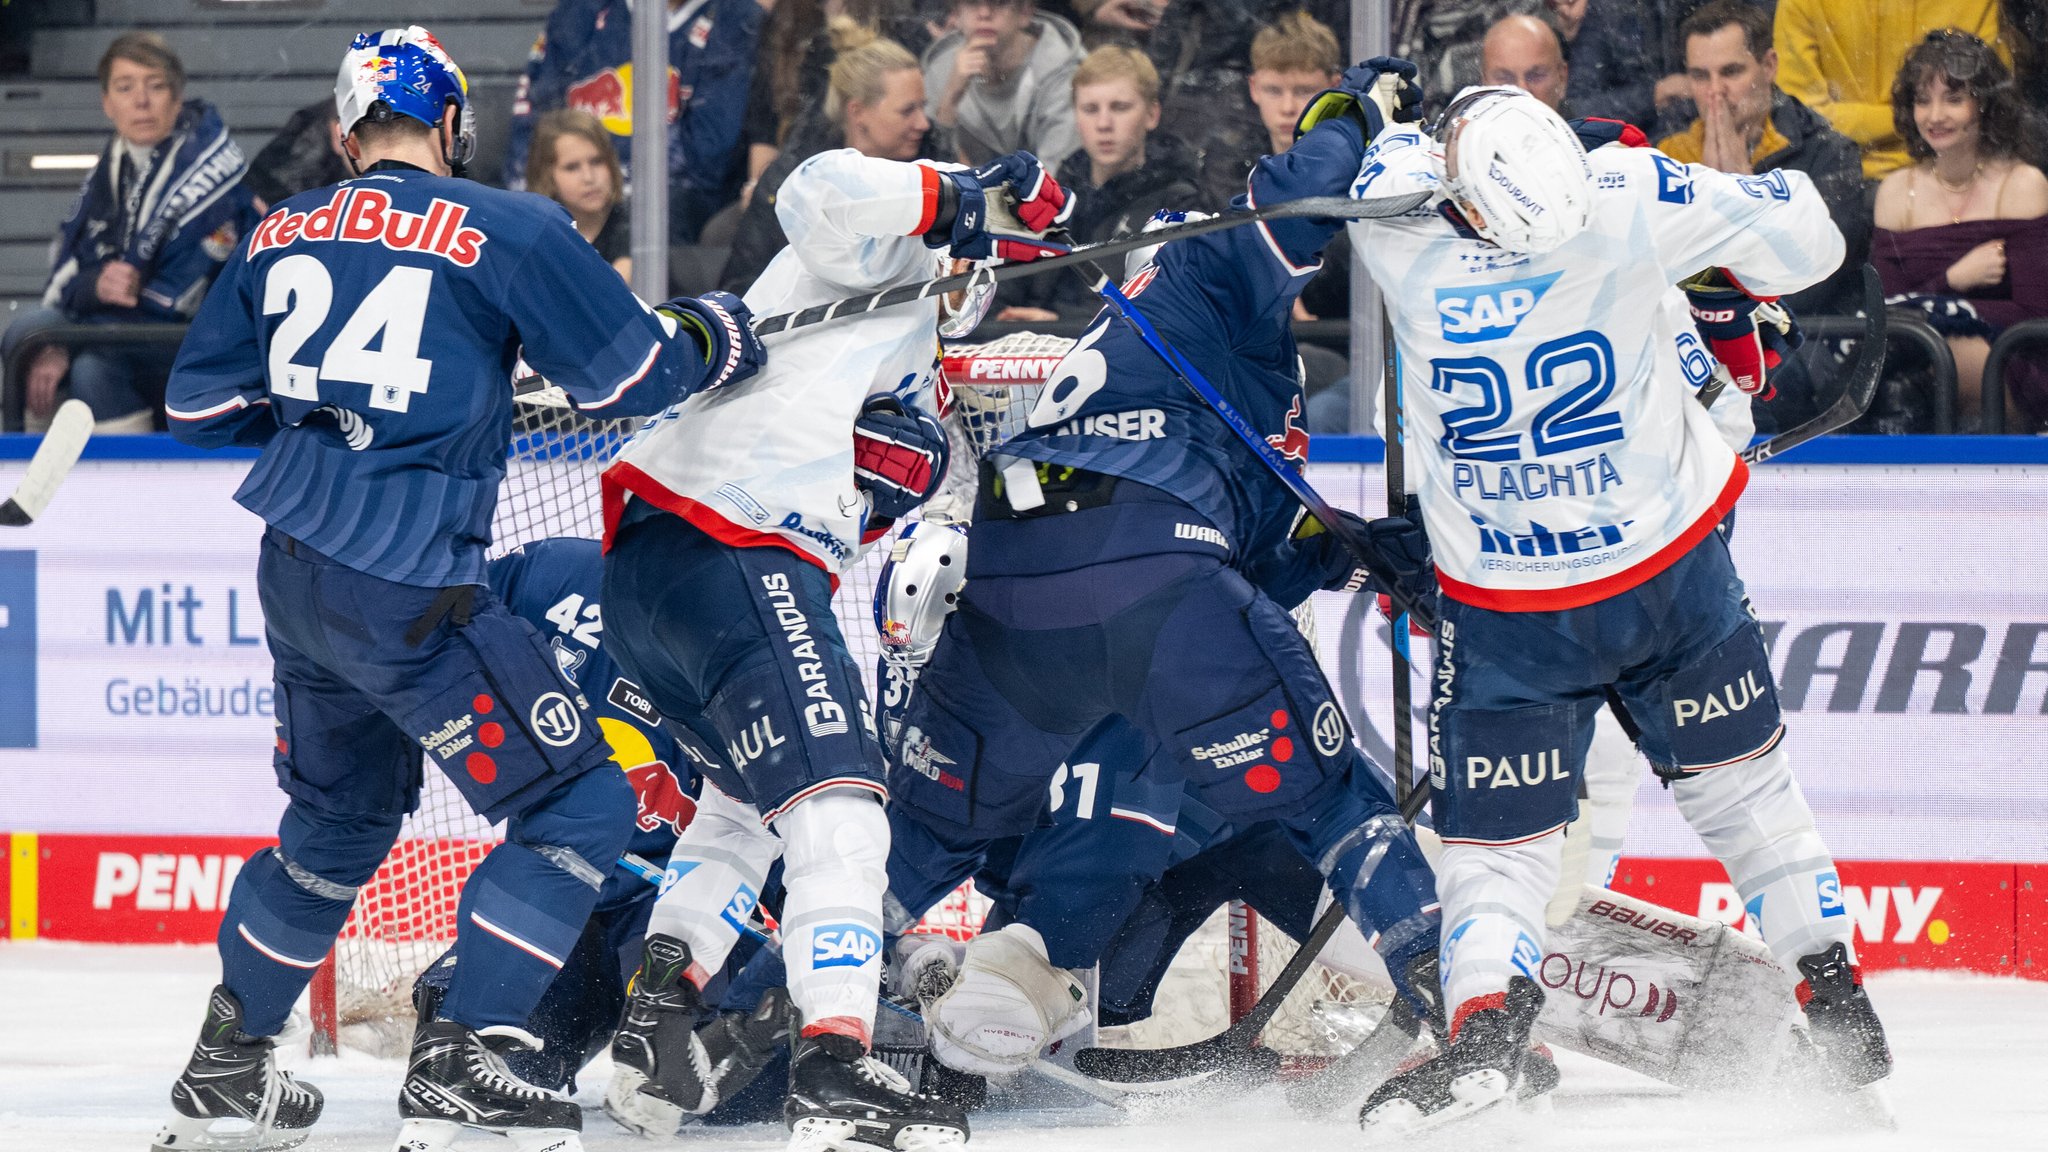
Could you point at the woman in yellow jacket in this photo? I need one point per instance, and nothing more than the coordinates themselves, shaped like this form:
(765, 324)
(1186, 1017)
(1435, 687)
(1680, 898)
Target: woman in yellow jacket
(1839, 57)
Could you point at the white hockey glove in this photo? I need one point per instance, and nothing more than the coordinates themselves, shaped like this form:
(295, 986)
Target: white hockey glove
(1008, 1003)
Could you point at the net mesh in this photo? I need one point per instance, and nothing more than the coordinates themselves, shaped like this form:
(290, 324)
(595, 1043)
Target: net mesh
(405, 917)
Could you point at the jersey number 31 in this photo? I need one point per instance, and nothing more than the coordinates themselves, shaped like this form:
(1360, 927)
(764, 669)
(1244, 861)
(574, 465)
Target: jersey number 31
(300, 287)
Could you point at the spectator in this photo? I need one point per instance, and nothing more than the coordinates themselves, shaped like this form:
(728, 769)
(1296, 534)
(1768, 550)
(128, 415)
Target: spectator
(1002, 80)
(1443, 37)
(1626, 61)
(2023, 28)
(1747, 124)
(1525, 52)
(1199, 48)
(1292, 59)
(1960, 231)
(305, 153)
(1123, 173)
(794, 60)
(584, 59)
(874, 104)
(157, 217)
(1838, 57)
(573, 163)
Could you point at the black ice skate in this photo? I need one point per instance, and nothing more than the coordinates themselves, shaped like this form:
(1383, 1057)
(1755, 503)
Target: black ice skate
(232, 1077)
(1843, 1026)
(457, 1079)
(740, 1044)
(1480, 1068)
(660, 1071)
(842, 1098)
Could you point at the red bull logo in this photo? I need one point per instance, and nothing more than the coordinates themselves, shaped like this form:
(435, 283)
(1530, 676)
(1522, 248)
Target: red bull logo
(1292, 441)
(365, 216)
(608, 95)
(661, 798)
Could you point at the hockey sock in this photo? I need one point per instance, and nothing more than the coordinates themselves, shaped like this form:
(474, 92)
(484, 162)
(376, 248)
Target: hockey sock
(290, 902)
(1754, 819)
(524, 907)
(1369, 857)
(715, 875)
(837, 846)
(1613, 769)
(1494, 896)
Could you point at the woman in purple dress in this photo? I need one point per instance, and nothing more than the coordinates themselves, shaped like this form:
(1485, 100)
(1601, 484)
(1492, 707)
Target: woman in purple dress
(1962, 234)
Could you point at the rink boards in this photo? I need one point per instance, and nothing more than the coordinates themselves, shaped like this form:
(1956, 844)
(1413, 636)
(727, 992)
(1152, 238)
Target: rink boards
(1902, 591)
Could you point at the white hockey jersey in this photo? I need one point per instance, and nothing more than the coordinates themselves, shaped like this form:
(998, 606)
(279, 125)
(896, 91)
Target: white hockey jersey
(769, 460)
(1561, 457)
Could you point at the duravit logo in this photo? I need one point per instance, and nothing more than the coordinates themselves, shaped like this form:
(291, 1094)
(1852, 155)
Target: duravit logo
(17, 648)
(1490, 312)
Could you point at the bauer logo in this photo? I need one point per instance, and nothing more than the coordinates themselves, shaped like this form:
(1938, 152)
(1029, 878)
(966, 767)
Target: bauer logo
(1828, 886)
(17, 648)
(844, 945)
(1472, 315)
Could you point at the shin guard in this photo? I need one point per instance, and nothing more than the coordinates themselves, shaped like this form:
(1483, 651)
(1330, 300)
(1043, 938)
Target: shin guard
(714, 880)
(836, 850)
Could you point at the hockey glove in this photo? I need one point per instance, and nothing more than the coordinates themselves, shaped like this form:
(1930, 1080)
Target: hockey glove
(1361, 96)
(724, 331)
(899, 460)
(999, 210)
(1726, 316)
(1400, 561)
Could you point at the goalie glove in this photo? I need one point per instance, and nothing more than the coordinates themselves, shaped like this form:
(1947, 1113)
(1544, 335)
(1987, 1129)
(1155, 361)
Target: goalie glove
(724, 330)
(899, 460)
(1000, 210)
(1749, 335)
(1373, 94)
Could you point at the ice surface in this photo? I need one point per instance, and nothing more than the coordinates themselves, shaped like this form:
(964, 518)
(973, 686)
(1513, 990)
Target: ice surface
(91, 1036)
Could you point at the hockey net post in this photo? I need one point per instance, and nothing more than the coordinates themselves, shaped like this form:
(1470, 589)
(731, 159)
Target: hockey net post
(405, 917)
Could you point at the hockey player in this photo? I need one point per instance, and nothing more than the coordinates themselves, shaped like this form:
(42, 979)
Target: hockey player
(363, 336)
(728, 523)
(1571, 489)
(1129, 563)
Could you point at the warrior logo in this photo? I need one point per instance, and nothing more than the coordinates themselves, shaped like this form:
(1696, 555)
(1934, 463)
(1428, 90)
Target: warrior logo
(1328, 728)
(555, 720)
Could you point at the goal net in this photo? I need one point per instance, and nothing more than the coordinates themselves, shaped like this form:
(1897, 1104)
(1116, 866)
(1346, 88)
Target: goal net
(404, 917)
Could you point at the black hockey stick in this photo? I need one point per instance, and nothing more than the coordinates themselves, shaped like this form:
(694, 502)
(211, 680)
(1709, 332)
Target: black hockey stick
(69, 429)
(1856, 394)
(1391, 417)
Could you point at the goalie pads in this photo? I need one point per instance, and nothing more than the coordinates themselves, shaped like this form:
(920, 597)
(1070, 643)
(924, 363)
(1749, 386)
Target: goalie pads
(1690, 1002)
(1006, 1005)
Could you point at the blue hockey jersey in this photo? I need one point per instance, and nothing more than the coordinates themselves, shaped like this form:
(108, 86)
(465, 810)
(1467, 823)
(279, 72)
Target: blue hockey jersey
(364, 334)
(1225, 301)
(555, 585)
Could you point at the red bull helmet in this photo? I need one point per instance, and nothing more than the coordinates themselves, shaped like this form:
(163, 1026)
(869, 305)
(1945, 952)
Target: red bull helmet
(405, 72)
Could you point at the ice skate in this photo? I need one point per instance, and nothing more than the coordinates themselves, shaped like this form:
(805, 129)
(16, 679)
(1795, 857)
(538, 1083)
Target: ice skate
(739, 1045)
(457, 1080)
(1844, 1049)
(234, 1078)
(841, 1098)
(1480, 1068)
(661, 1072)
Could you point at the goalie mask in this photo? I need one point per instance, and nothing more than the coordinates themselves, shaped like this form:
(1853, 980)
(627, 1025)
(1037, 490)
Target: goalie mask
(961, 312)
(918, 588)
(1515, 170)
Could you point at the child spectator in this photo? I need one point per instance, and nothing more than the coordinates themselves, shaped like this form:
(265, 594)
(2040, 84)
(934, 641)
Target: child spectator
(584, 59)
(158, 216)
(874, 104)
(1124, 172)
(1960, 231)
(1002, 80)
(1293, 58)
(1838, 57)
(573, 163)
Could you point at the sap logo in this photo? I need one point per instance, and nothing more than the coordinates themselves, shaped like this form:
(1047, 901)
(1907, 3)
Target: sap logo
(1730, 699)
(1450, 944)
(1524, 771)
(1827, 888)
(1525, 955)
(844, 945)
(164, 882)
(1895, 914)
(1674, 180)
(740, 908)
(676, 871)
(1472, 315)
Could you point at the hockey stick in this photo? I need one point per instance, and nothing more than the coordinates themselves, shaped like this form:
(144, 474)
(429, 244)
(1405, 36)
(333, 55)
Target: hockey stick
(1391, 419)
(69, 429)
(1856, 395)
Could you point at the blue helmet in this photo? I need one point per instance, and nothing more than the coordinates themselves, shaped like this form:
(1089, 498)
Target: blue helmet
(404, 72)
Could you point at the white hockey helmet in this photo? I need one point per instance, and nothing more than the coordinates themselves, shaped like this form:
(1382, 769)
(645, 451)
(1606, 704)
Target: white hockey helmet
(918, 588)
(1515, 169)
(1139, 259)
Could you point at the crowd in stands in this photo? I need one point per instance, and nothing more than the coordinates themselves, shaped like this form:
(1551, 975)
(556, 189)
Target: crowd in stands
(1917, 121)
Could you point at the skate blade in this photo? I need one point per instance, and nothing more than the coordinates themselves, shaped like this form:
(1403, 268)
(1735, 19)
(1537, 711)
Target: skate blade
(1472, 1093)
(826, 1134)
(1871, 1105)
(224, 1134)
(636, 1111)
(417, 1135)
